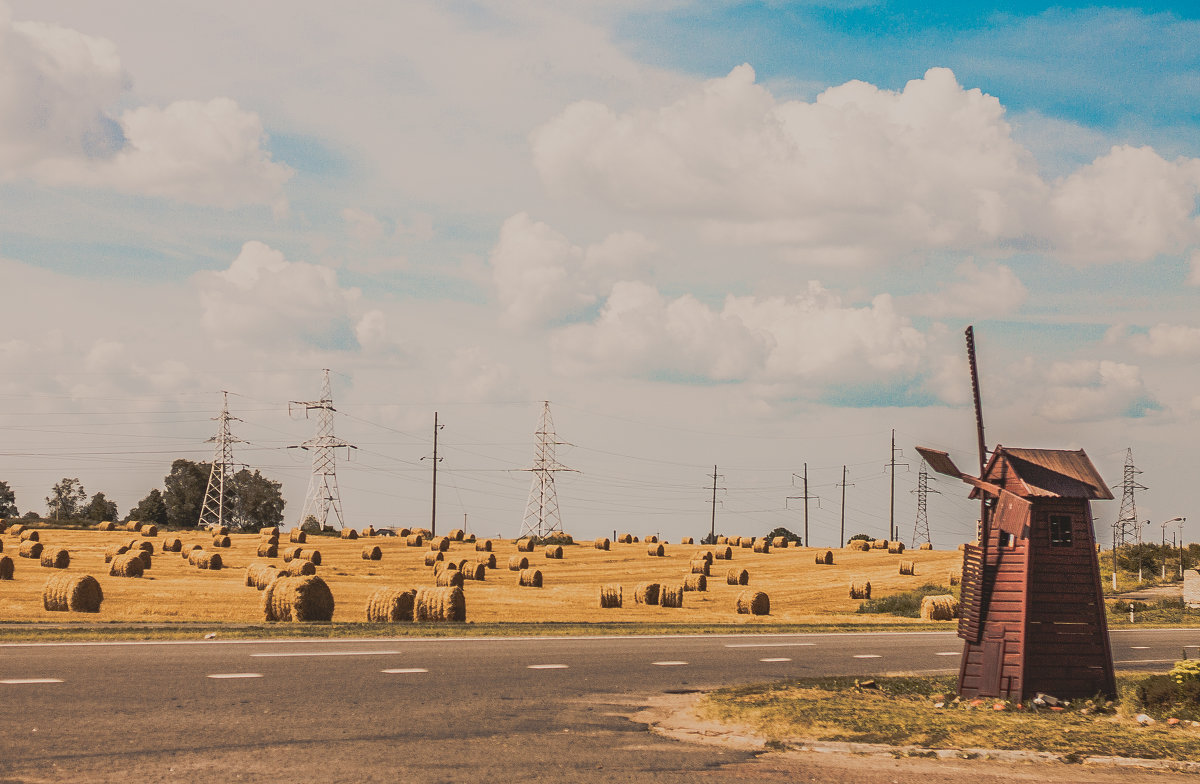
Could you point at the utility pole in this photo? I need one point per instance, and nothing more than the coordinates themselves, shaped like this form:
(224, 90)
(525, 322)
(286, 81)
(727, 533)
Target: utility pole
(212, 513)
(892, 496)
(805, 498)
(542, 515)
(436, 460)
(712, 532)
(843, 485)
(323, 495)
(921, 525)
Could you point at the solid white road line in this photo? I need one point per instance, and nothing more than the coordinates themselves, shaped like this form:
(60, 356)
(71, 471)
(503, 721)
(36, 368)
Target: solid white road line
(227, 675)
(405, 671)
(775, 660)
(290, 654)
(669, 663)
(547, 667)
(22, 681)
(769, 644)
(867, 656)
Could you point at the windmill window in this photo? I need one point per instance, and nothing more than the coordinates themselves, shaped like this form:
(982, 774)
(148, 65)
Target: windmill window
(1060, 530)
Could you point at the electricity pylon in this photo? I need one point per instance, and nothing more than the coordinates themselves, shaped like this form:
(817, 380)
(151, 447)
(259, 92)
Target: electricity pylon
(1126, 529)
(921, 526)
(542, 515)
(323, 495)
(223, 469)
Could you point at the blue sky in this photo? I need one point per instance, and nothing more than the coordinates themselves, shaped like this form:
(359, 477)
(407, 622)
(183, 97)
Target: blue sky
(747, 234)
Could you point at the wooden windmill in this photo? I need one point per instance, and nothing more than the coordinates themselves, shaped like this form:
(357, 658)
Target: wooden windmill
(1032, 608)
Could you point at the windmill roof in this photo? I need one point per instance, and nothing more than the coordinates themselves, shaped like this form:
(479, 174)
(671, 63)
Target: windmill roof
(1060, 473)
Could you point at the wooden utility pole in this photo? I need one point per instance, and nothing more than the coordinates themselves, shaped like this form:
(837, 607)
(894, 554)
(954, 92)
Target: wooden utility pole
(842, 535)
(436, 460)
(713, 529)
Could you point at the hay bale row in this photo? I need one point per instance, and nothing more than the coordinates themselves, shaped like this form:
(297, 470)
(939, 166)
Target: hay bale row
(895, 548)
(202, 559)
(433, 556)
(456, 534)
(700, 566)
(753, 603)
(298, 599)
(298, 568)
(260, 575)
(525, 545)
(424, 533)
(858, 544)
(908, 567)
(391, 605)
(603, 544)
(172, 544)
(141, 544)
(442, 566)
(349, 533)
(268, 550)
(656, 551)
(926, 546)
(671, 596)
(825, 558)
(296, 536)
(72, 593)
(646, 593)
(483, 546)
(747, 542)
(762, 546)
(56, 558)
(29, 535)
(6, 567)
(271, 530)
(610, 596)
(530, 578)
(113, 550)
(651, 540)
(723, 554)
(30, 549)
(517, 562)
(447, 605)
(737, 577)
(269, 539)
(133, 525)
(448, 577)
(414, 540)
(372, 553)
(780, 542)
(880, 544)
(127, 565)
(695, 582)
(860, 589)
(943, 607)
(107, 525)
(310, 555)
(475, 571)
(221, 541)
(18, 529)
(554, 552)
(186, 552)
(687, 540)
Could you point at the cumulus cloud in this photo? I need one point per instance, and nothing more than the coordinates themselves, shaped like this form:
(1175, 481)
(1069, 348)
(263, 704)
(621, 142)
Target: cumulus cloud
(863, 173)
(1167, 340)
(362, 225)
(979, 292)
(56, 89)
(265, 299)
(1093, 390)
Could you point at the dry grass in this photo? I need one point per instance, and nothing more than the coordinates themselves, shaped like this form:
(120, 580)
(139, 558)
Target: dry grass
(801, 592)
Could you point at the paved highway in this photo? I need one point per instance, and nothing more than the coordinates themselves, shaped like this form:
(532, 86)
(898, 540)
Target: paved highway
(428, 710)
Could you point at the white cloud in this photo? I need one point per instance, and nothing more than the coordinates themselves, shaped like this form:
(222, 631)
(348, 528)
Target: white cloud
(56, 89)
(1167, 340)
(980, 292)
(1092, 390)
(362, 226)
(1193, 278)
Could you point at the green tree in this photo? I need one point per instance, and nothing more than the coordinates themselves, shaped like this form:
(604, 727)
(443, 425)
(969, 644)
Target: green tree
(184, 496)
(100, 509)
(255, 501)
(151, 509)
(785, 533)
(8, 502)
(66, 499)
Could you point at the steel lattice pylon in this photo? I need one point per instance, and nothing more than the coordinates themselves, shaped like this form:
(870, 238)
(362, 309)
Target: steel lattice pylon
(921, 526)
(323, 495)
(212, 513)
(542, 515)
(1126, 529)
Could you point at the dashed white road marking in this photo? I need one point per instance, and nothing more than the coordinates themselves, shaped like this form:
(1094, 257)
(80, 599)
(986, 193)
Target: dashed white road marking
(1139, 647)
(669, 663)
(229, 675)
(405, 671)
(547, 667)
(768, 644)
(1146, 661)
(288, 654)
(947, 653)
(867, 656)
(775, 660)
(23, 681)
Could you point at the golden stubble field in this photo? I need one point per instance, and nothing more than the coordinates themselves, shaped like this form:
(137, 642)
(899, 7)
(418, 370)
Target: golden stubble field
(173, 591)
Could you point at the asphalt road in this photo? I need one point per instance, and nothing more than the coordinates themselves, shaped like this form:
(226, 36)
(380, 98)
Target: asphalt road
(437, 710)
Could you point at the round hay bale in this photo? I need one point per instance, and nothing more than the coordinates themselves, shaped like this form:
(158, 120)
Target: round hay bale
(610, 596)
(687, 540)
(695, 582)
(291, 552)
(147, 558)
(753, 603)
(260, 575)
(483, 546)
(349, 533)
(908, 567)
(19, 529)
(737, 577)
(187, 551)
(128, 564)
(268, 539)
(268, 550)
(926, 546)
(6, 567)
(30, 535)
(442, 605)
(149, 530)
(414, 540)
(271, 530)
(433, 556)
(141, 544)
(172, 544)
(858, 544)
(723, 540)
(372, 553)
(310, 555)
(113, 551)
(72, 593)
(56, 558)
(625, 539)
(747, 542)
(880, 544)
(602, 544)
(704, 555)
(440, 543)
(723, 553)
(554, 551)
(30, 549)
(442, 566)
(762, 546)
(456, 534)
(461, 565)
(391, 605)
(943, 607)
(221, 541)
(403, 533)
(517, 562)
(298, 568)
(296, 536)
(955, 578)
(107, 525)
(525, 545)
(656, 551)
(700, 566)
(646, 593)
(448, 577)
(425, 533)
(368, 531)
(298, 599)
(825, 558)
(651, 540)
(780, 542)
(469, 538)
(530, 578)
(221, 530)
(486, 560)
(476, 571)
(133, 525)
(207, 560)
(671, 596)
(860, 589)
(895, 548)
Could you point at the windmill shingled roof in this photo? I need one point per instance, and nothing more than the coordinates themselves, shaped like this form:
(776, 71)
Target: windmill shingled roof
(1055, 472)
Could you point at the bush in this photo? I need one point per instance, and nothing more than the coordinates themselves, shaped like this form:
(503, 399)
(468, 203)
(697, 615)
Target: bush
(906, 605)
(1166, 696)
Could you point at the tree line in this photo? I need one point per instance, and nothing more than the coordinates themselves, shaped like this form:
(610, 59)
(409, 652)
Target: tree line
(251, 500)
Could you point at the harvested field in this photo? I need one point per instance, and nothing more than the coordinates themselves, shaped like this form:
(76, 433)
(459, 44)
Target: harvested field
(800, 591)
